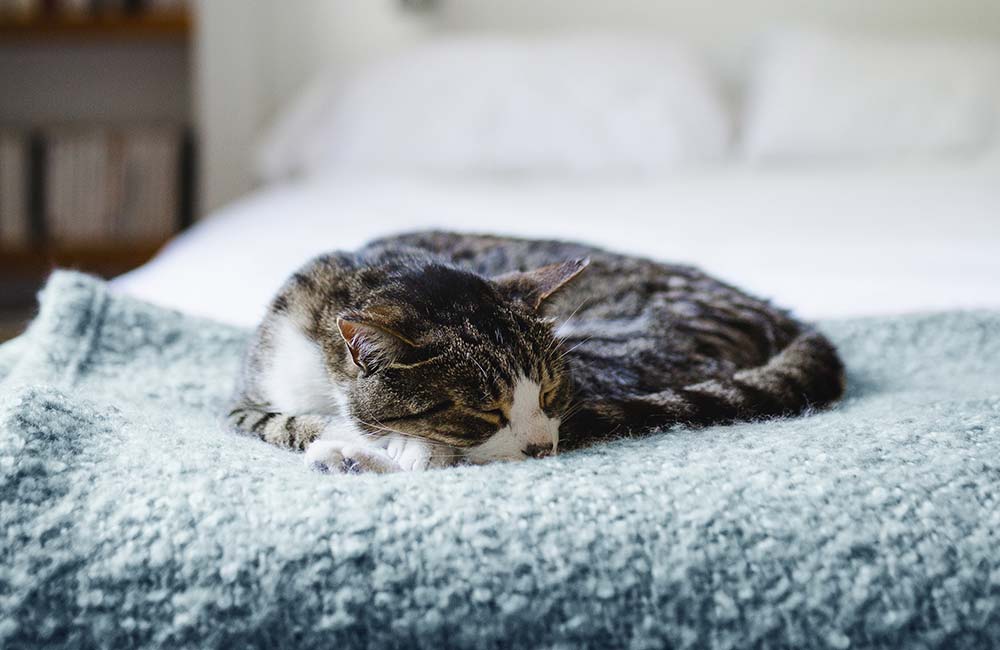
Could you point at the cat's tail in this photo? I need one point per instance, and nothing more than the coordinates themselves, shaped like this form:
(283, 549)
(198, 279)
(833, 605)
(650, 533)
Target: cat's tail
(806, 374)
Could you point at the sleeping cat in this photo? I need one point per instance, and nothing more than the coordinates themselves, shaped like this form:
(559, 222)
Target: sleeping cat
(432, 349)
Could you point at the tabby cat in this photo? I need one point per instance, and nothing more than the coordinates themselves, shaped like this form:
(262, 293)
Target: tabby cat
(434, 348)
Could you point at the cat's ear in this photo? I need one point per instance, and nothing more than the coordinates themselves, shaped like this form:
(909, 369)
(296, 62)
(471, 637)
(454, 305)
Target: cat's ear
(372, 345)
(534, 286)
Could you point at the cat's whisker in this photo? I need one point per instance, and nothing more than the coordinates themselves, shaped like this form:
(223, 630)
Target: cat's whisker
(481, 369)
(566, 352)
(552, 346)
(571, 410)
(556, 339)
(402, 434)
(571, 315)
(381, 427)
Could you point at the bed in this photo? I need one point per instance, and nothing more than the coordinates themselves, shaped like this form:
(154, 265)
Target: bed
(131, 517)
(825, 242)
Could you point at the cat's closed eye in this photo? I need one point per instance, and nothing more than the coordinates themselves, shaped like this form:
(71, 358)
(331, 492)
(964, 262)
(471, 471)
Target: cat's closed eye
(435, 409)
(494, 416)
(423, 413)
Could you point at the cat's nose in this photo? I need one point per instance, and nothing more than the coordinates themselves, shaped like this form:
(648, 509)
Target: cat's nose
(538, 451)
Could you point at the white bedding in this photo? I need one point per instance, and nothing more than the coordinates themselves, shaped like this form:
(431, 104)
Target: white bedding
(833, 242)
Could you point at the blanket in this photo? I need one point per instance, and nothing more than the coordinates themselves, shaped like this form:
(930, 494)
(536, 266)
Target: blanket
(130, 516)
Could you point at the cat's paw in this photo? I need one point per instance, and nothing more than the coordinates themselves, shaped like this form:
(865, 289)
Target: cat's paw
(337, 457)
(410, 454)
(326, 456)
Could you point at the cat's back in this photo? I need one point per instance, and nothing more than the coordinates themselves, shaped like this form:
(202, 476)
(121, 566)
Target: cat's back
(613, 285)
(493, 255)
(630, 310)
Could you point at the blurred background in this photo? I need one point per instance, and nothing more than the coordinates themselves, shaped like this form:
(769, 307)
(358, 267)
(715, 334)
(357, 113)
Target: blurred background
(96, 138)
(124, 122)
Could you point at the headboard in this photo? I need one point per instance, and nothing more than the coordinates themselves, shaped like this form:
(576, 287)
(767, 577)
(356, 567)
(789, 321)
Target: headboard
(252, 55)
(725, 29)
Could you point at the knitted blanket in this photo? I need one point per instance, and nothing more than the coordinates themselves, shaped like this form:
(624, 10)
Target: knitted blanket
(130, 517)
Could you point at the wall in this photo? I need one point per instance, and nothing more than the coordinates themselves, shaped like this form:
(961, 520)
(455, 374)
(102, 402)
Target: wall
(254, 54)
(713, 22)
(725, 29)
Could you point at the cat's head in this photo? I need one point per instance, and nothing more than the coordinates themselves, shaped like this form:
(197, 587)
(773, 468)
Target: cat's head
(466, 362)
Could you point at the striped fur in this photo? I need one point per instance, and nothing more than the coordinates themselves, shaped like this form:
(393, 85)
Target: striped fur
(807, 374)
(282, 429)
(426, 335)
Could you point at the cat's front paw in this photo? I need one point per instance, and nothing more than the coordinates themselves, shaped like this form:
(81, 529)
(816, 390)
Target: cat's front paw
(411, 455)
(336, 457)
(326, 456)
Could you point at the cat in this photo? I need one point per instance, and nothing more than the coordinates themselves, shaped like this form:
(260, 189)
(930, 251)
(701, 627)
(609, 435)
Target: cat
(432, 349)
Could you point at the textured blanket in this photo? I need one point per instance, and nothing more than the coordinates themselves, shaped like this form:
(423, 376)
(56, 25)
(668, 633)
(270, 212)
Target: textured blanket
(130, 517)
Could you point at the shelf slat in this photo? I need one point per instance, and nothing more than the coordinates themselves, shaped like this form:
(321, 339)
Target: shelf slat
(102, 260)
(154, 26)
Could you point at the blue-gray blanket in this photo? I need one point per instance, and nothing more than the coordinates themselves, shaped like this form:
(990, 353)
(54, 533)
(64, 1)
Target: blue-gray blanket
(129, 516)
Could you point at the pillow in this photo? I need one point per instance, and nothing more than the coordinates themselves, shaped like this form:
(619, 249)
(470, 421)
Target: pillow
(828, 96)
(562, 105)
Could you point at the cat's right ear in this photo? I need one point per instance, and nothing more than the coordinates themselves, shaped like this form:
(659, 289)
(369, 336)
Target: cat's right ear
(372, 346)
(535, 286)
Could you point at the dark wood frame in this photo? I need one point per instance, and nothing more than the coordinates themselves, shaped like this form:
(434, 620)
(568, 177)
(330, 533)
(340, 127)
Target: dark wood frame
(44, 28)
(37, 259)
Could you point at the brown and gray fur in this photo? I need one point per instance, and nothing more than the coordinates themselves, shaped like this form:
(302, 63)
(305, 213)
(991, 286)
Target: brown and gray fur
(426, 334)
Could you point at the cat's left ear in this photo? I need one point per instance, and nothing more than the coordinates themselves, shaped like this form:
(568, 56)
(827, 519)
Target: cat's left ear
(533, 287)
(371, 344)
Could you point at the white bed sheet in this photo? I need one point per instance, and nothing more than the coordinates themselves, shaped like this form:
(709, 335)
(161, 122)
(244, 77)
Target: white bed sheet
(826, 243)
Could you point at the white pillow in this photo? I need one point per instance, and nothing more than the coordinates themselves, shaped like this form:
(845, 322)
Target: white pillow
(828, 96)
(561, 105)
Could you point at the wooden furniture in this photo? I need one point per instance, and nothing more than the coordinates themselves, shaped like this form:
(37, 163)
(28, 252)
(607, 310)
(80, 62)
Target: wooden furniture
(106, 261)
(43, 29)
(111, 40)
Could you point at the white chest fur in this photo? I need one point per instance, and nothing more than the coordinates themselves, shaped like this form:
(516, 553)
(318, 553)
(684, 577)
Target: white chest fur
(296, 381)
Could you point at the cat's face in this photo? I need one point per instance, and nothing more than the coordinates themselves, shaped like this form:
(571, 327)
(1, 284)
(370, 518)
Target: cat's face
(463, 362)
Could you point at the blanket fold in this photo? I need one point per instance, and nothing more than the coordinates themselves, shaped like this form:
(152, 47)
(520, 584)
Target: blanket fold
(129, 516)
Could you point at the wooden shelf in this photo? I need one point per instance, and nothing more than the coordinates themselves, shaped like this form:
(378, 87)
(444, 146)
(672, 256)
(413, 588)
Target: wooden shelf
(162, 26)
(13, 321)
(101, 260)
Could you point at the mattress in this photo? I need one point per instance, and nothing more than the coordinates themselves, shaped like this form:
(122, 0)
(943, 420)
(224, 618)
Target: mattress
(829, 242)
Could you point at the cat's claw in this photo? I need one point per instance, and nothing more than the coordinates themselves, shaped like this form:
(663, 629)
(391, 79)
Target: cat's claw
(350, 466)
(324, 456)
(336, 457)
(319, 467)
